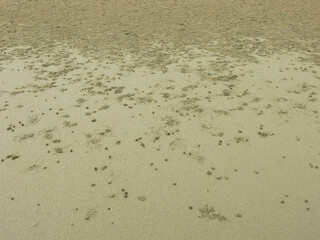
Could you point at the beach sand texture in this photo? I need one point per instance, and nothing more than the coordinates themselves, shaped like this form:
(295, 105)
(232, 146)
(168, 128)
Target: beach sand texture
(159, 120)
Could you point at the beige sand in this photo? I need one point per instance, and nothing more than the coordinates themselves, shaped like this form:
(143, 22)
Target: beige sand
(159, 119)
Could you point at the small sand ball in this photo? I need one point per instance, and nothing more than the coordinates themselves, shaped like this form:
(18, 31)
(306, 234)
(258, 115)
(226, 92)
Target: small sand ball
(142, 198)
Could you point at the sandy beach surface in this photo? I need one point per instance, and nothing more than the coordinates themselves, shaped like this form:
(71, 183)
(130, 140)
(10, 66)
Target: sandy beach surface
(159, 120)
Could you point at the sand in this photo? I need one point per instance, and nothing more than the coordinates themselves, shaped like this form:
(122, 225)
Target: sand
(159, 119)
